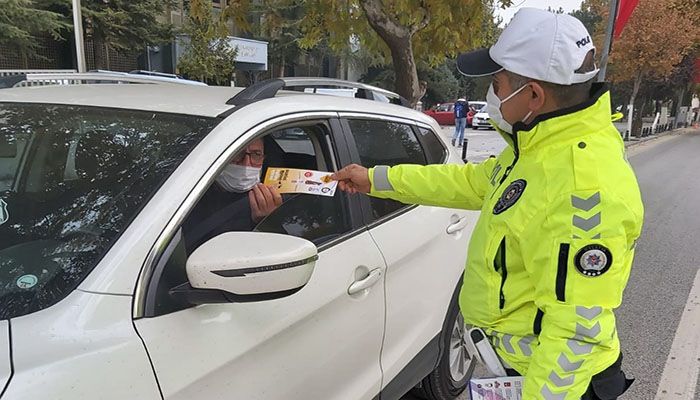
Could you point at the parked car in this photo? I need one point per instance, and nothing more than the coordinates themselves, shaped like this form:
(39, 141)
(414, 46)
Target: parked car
(481, 119)
(474, 107)
(443, 113)
(340, 297)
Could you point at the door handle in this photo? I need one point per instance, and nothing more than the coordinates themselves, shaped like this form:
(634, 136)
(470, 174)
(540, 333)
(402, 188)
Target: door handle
(457, 226)
(363, 284)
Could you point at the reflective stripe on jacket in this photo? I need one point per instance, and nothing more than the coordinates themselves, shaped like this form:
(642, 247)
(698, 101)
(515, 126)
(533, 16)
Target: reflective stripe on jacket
(552, 251)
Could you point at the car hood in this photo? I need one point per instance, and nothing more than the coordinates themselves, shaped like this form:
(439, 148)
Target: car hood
(5, 362)
(482, 115)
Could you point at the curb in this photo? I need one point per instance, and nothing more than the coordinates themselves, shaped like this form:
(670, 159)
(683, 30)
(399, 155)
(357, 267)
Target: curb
(674, 132)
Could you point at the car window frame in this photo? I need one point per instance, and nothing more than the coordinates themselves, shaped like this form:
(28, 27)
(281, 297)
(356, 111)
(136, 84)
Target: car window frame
(352, 147)
(424, 144)
(160, 253)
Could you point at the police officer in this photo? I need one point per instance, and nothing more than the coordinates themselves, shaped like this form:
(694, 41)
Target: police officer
(560, 211)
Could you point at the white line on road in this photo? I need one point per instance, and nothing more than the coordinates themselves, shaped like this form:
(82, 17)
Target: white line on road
(680, 375)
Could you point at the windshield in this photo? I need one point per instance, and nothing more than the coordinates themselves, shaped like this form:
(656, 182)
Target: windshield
(71, 180)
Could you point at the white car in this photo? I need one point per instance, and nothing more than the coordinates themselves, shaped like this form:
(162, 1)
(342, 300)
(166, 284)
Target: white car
(342, 297)
(481, 119)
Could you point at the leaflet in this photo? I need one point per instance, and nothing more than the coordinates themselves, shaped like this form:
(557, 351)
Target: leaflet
(291, 180)
(503, 388)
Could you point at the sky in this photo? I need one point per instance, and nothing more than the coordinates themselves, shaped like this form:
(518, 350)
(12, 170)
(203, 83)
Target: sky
(567, 5)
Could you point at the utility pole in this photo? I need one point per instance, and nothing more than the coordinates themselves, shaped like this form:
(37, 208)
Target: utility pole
(79, 42)
(614, 6)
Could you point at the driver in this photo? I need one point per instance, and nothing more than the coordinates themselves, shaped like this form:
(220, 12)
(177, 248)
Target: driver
(237, 201)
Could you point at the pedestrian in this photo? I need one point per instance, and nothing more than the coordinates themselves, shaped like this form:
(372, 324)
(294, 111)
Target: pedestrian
(695, 108)
(461, 108)
(561, 211)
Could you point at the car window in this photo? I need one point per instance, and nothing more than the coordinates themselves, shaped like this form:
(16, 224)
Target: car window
(385, 143)
(444, 107)
(11, 150)
(294, 140)
(73, 179)
(316, 218)
(435, 151)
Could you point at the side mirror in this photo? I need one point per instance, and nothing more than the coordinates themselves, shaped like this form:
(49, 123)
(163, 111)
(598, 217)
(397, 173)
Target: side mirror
(246, 267)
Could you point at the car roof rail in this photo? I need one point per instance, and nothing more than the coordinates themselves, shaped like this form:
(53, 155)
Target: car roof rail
(155, 73)
(268, 88)
(90, 77)
(258, 91)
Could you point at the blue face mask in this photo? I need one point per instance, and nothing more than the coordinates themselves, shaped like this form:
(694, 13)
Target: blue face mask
(493, 108)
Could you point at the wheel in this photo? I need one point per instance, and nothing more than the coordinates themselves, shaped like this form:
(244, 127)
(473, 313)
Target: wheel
(451, 377)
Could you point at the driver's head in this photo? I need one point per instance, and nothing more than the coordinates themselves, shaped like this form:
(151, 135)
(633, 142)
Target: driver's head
(542, 62)
(243, 171)
(252, 156)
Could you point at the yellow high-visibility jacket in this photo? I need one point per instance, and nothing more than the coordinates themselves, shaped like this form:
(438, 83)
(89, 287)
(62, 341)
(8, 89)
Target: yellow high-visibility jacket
(552, 251)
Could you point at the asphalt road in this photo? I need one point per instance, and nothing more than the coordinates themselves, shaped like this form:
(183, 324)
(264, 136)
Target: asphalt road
(667, 258)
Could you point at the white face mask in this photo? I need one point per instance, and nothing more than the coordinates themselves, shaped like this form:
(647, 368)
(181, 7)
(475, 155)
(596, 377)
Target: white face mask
(238, 178)
(493, 108)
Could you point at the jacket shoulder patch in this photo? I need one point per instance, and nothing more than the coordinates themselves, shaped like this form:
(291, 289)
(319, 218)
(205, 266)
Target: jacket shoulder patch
(510, 196)
(593, 260)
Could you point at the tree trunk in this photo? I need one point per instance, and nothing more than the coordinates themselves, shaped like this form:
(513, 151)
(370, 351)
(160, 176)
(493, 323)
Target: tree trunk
(399, 39)
(280, 73)
(24, 59)
(98, 51)
(406, 75)
(635, 91)
(638, 122)
(677, 106)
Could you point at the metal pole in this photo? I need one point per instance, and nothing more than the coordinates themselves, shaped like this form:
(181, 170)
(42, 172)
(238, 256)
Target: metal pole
(614, 4)
(79, 43)
(465, 143)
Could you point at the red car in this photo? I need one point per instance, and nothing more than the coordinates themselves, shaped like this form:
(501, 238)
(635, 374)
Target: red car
(444, 112)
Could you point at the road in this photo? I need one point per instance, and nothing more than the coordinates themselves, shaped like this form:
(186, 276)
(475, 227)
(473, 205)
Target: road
(666, 263)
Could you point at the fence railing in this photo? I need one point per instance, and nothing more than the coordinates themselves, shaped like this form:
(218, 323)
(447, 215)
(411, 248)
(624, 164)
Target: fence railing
(660, 128)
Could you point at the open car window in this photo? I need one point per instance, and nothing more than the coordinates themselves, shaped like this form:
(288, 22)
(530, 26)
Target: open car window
(316, 218)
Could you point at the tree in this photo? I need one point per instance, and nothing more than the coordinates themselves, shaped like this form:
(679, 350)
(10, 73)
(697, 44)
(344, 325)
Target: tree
(403, 32)
(121, 25)
(22, 21)
(208, 55)
(276, 22)
(592, 14)
(655, 40)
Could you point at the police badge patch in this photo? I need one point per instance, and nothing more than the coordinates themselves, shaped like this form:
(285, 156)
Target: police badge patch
(593, 260)
(510, 196)
(4, 215)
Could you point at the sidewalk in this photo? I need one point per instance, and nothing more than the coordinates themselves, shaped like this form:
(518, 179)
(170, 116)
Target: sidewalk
(482, 143)
(680, 131)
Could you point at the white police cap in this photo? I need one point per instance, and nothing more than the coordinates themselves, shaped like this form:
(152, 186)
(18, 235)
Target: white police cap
(537, 44)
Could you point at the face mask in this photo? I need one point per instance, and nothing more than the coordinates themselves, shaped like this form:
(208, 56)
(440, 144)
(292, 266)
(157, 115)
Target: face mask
(238, 178)
(493, 108)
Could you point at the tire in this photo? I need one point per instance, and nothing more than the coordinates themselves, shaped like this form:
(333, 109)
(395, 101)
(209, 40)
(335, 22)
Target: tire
(448, 380)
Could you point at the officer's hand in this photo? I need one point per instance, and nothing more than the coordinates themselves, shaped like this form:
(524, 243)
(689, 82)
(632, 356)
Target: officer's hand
(353, 179)
(263, 201)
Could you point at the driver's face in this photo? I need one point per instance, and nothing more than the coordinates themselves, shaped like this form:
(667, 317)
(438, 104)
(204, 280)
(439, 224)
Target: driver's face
(252, 156)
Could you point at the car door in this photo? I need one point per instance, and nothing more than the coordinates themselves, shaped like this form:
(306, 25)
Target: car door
(424, 247)
(322, 342)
